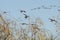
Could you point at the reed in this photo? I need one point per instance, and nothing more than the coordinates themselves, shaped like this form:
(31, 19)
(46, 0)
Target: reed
(8, 32)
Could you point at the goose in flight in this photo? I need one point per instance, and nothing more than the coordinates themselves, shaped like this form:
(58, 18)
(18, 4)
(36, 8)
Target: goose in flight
(52, 20)
(26, 16)
(22, 11)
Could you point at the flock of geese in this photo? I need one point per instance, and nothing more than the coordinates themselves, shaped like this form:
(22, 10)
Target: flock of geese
(43, 6)
(36, 8)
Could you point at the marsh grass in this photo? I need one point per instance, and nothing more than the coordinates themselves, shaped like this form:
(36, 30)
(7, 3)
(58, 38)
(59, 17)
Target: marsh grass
(9, 33)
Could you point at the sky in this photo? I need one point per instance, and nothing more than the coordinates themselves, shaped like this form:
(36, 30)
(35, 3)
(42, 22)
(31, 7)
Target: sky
(13, 8)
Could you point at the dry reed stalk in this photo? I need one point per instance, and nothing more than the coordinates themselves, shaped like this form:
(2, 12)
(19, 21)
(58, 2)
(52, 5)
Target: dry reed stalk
(5, 29)
(42, 35)
(40, 21)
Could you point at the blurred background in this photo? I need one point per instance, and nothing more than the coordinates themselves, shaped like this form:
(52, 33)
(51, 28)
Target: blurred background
(21, 14)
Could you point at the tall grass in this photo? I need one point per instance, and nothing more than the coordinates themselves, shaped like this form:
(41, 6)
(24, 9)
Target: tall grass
(34, 32)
